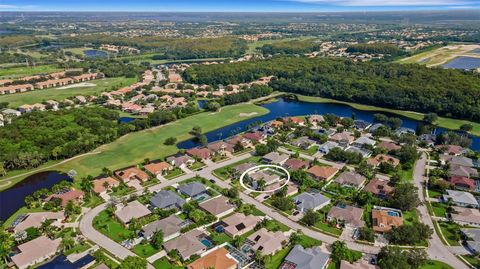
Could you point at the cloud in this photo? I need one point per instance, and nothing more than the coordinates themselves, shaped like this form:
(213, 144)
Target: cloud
(389, 3)
(8, 6)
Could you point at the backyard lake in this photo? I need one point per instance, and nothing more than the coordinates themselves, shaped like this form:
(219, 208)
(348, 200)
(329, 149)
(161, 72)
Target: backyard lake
(464, 63)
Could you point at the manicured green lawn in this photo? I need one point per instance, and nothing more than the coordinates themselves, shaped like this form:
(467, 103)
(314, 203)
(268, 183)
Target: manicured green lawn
(278, 258)
(439, 209)
(308, 242)
(327, 228)
(174, 173)
(110, 227)
(38, 96)
(406, 175)
(449, 231)
(410, 217)
(432, 264)
(145, 249)
(219, 238)
(273, 225)
(448, 123)
(472, 260)
(196, 166)
(310, 151)
(434, 193)
(135, 147)
(78, 248)
(163, 263)
(15, 72)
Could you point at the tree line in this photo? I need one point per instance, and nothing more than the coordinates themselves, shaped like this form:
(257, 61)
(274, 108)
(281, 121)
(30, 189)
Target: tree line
(290, 47)
(450, 93)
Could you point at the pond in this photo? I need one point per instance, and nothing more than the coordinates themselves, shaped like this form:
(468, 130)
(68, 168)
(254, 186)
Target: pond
(464, 63)
(125, 119)
(95, 54)
(286, 108)
(13, 198)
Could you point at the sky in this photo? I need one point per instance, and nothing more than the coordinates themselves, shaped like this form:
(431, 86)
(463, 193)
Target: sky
(237, 5)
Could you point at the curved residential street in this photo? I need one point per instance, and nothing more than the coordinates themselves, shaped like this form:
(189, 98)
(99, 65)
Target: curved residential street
(436, 249)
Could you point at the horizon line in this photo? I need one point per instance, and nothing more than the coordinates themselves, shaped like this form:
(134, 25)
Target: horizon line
(296, 12)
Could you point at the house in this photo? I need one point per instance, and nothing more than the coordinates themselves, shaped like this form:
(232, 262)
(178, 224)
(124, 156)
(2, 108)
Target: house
(303, 142)
(269, 178)
(218, 259)
(133, 210)
(362, 264)
(102, 185)
(192, 189)
(35, 251)
(305, 258)
(170, 226)
(275, 158)
(428, 139)
(159, 168)
(238, 224)
(450, 149)
(362, 151)
(472, 239)
(167, 200)
(322, 172)
(364, 141)
(187, 244)
(379, 188)
(296, 164)
(221, 148)
(294, 120)
(254, 136)
(242, 168)
(37, 218)
(276, 124)
(71, 195)
(463, 183)
(349, 215)
(372, 129)
(316, 119)
(310, 200)
(389, 146)
(327, 146)
(8, 112)
(361, 124)
(351, 179)
(200, 153)
(384, 219)
(180, 160)
(292, 188)
(403, 130)
(463, 171)
(382, 158)
(344, 138)
(131, 173)
(268, 243)
(218, 206)
(238, 139)
(16, 88)
(466, 216)
(458, 161)
(461, 198)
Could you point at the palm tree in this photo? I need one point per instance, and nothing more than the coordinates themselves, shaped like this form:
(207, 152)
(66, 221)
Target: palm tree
(6, 244)
(87, 185)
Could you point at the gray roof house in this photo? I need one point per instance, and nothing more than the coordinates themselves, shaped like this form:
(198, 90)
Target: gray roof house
(303, 142)
(187, 244)
(350, 179)
(241, 168)
(461, 161)
(375, 127)
(170, 226)
(166, 200)
(306, 258)
(310, 200)
(180, 160)
(461, 198)
(403, 130)
(365, 153)
(364, 141)
(327, 146)
(192, 189)
(472, 239)
(275, 158)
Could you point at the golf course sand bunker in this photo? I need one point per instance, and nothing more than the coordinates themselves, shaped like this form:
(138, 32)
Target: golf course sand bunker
(78, 85)
(248, 114)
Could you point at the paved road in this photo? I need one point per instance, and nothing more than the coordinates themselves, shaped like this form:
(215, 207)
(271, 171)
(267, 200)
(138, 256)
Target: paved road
(436, 250)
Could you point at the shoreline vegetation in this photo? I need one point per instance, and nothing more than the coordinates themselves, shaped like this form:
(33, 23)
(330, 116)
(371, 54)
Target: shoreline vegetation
(448, 123)
(133, 148)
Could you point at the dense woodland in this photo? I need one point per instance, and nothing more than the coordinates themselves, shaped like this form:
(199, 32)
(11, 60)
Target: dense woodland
(290, 47)
(377, 48)
(447, 92)
(180, 48)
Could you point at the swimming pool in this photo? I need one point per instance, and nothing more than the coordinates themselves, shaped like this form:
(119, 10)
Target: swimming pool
(393, 214)
(206, 242)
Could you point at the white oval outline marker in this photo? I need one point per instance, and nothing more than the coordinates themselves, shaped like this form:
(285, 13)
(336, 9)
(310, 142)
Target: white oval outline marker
(261, 166)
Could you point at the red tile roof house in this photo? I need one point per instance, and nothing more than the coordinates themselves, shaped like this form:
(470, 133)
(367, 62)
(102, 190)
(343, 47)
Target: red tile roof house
(450, 149)
(382, 158)
(72, 195)
(294, 120)
(246, 143)
(379, 188)
(255, 136)
(296, 164)
(388, 146)
(200, 153)
(322, 172)
(160, 168)
(100, 185)
(130, 173)
(463, 183)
